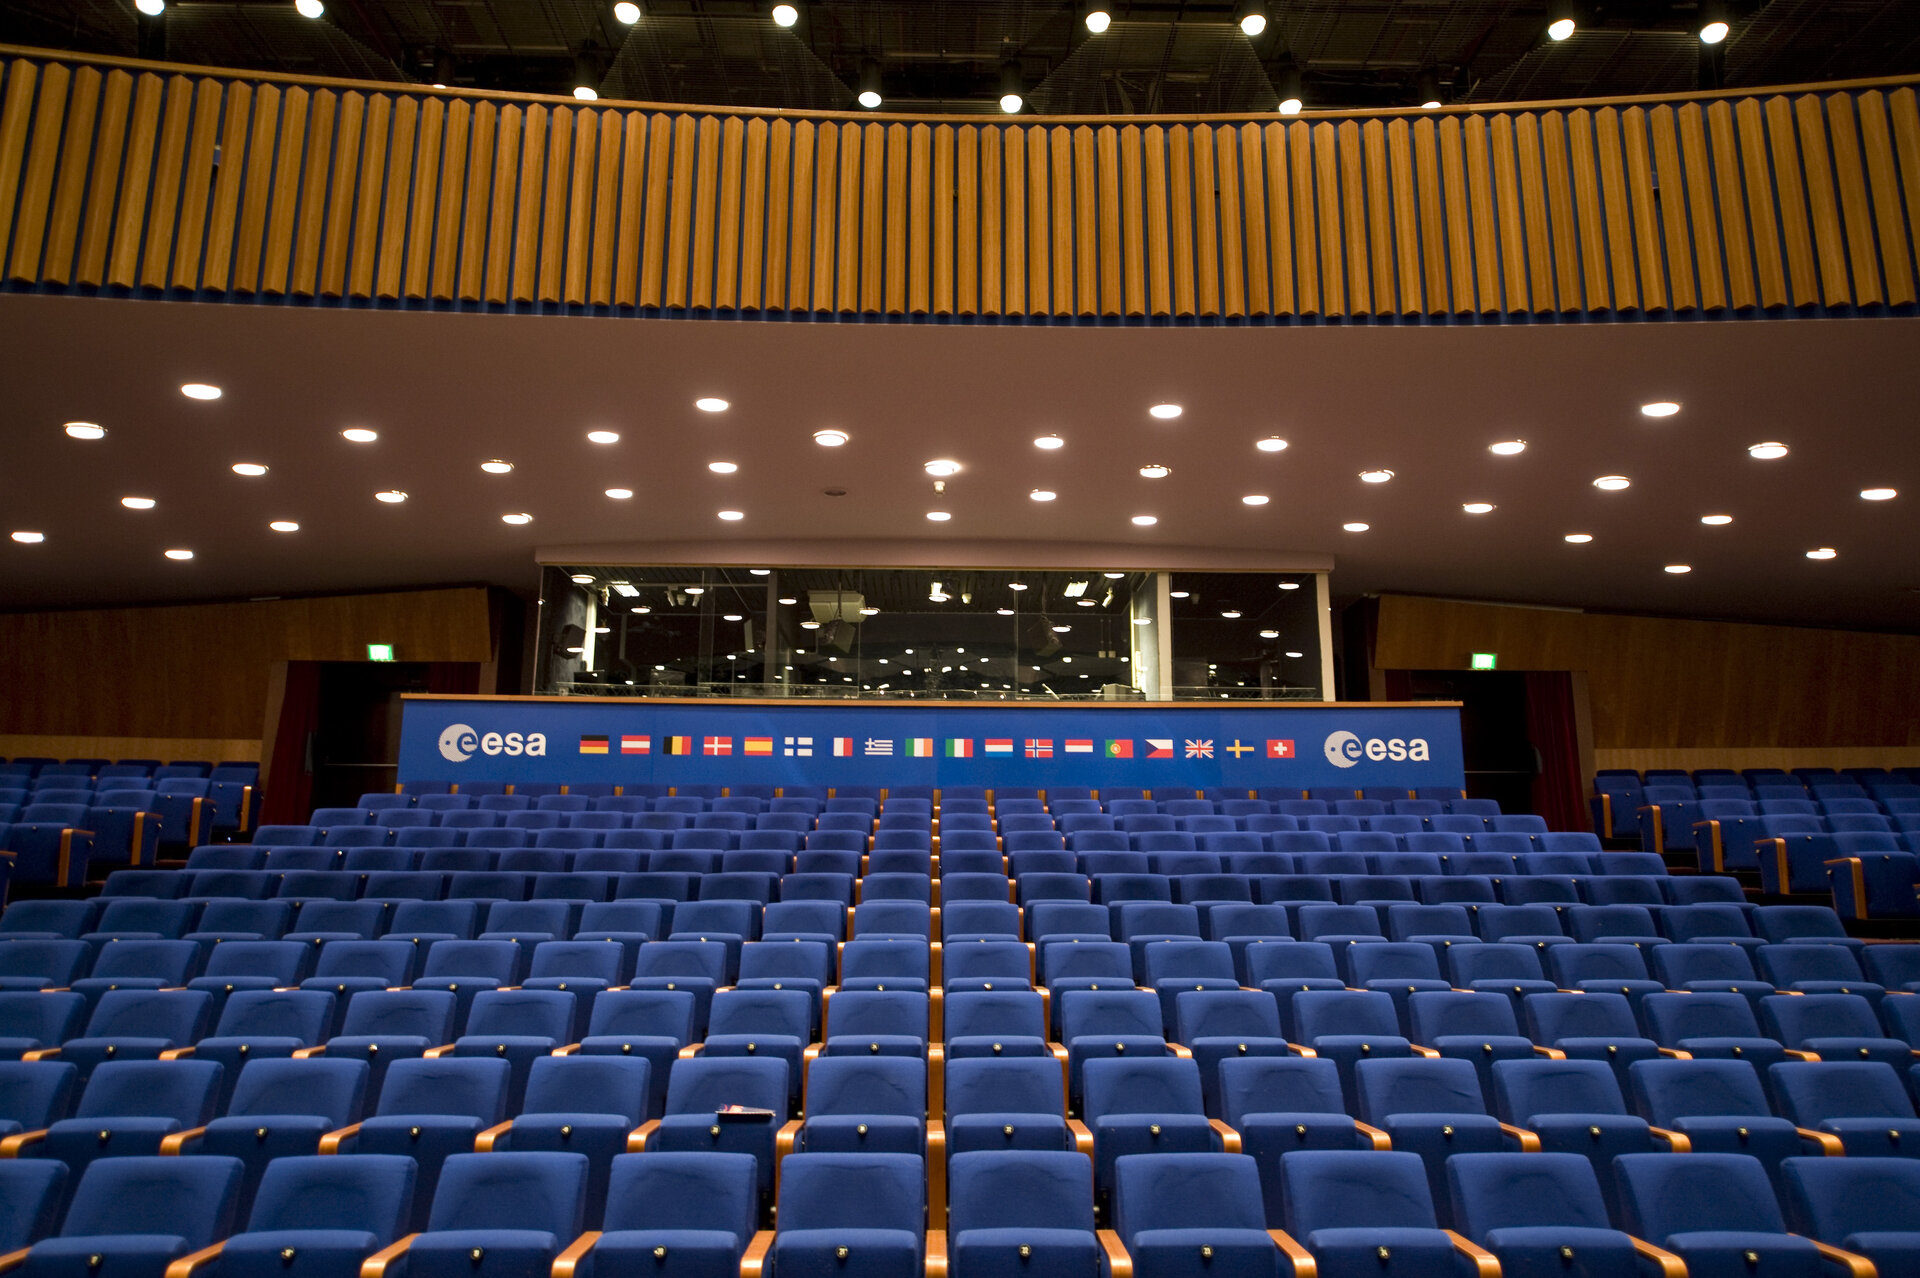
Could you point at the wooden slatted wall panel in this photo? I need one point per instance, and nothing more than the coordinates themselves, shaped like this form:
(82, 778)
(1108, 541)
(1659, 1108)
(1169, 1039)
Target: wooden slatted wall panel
(129, 178)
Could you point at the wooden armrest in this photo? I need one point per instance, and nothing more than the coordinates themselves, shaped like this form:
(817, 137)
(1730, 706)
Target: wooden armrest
(1800, 1055)
(638, 1137)
(486, 1140)
(567, 1261)
(1857, 1266)
(1181, 1050)
(690, 1051)
(1424, 1051)
(331, 1142)
(1484, 1262)
(40, 1054)
(1301, 1049)
(1677, 1143)
(755, 1258)
(14, 1259)
(1529, 1141)
(786, 1138)
(936, 1177)
(1082, 1137)
(176, 1053)
(175, 1143)
(1379, 1138)
(1675, 1053)
(1671, 1266)
(184, 1267)
(1830, 1145)
(435, 1053)
(375, 1266)
(1229, 1138)
(1304, 1265)
(936, 1253)
(307, 1053)
(571, 1048)
(1551, 1053)
(11, 1146)
(1119, 1263)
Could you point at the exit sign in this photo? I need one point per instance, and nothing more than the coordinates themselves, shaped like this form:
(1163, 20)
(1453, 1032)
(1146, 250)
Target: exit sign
(384, 652)
(1485, 660)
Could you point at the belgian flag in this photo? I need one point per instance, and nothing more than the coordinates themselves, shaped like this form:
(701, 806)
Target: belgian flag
(679, 745)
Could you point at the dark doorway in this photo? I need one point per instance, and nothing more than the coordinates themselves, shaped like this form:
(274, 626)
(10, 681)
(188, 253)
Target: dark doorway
(1500, 758)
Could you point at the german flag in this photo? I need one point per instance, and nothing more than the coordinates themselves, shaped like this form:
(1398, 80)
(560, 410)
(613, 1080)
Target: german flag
(678, 745)
(593, 745)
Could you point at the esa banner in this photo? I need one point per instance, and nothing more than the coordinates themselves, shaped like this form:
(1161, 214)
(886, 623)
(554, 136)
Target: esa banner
(460, 739)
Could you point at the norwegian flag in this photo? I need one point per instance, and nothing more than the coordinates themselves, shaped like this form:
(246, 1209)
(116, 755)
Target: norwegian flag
(1037, 749)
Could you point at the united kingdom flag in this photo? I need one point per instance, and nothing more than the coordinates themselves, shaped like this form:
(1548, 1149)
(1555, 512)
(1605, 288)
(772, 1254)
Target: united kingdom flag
(1199, 749)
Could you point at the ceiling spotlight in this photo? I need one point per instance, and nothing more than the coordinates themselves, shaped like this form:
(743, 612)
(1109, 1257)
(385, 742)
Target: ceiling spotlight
(1086, 603)
(1294, 654)
(626, 13)
(870, 612)
(785, 15)
(309, 8)
(1177, 594)
(829, 438)
(1000, 612)
(250, 469)
(809, 625)
(1292, 95)
(1560, 19)
(870, 84)
(1879, 494)
(732, 516)
(788, 603)
(179, 554)
(393, 496)
(152, 8)
(137, 503)
(1578, 539)
(1252, 17)
(582, 579)
(516, 519)
(586, 92)
(29, 538)
(284, 526)
(1664, 408)
(1825, 552)
(603, 436)
(1508, 447)
(1231, 614)
(1426, 89)
(1271, 444)
(711, 405)
(1155, 471)
(1678, 569)
(939, 516)
(1712, 18)
(1478, 507)
(1716, 521)
(1145, 521)
(1612, 483)
(1767, 452)
(1061, 630)
(200, 390)
(1049, 442)
(620, 494)
(1016, 585)
(1096, 15)
(1013, 87)
(1289, 585)
(723, 468)
(1254, 499)
(497, 467)
(86, 430)
(1269, 634)
(1375, 476)
(359, 435)
(732, 616)
(1355, 527)
(761, 572)
(942, 468)
(1143, 621)
(696, 590)
(1165, 412)
(1042, 494)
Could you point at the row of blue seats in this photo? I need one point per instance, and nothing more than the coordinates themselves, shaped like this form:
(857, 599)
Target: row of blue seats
(54, 841)
(1706, 827)
(34, 767)
(1615, 808)
(374, 804)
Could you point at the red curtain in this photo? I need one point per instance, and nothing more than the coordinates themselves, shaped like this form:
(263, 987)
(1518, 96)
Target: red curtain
(1557, 787)
(290, 797)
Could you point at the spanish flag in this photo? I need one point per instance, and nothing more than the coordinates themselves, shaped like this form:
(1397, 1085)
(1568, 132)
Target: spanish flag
(759, 745)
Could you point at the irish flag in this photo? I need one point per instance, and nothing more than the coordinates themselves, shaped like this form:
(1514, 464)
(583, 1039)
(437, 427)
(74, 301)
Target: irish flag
(919, 747)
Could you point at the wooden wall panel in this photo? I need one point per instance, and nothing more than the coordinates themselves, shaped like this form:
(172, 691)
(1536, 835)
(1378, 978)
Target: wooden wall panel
(1716, 203)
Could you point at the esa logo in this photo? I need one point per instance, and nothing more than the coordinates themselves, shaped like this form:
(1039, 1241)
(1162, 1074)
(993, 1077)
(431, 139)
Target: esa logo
(1344, 749)
(459, 743)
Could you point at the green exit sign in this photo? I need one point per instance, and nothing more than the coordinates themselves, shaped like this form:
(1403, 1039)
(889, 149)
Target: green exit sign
(384, 652)
(1485, 660)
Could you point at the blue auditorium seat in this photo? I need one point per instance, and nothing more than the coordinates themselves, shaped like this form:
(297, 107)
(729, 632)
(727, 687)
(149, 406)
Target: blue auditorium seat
(1187, 1215)
(131, 1216)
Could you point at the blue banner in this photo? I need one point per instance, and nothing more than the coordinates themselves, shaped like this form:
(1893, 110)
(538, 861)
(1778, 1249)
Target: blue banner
(1245, 744)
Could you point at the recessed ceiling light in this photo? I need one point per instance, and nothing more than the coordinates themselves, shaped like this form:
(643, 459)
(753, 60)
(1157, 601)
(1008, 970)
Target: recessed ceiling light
(1295, 654)
(1016, 585)
(497, 467)
(1003, 612)
(137, 503)
(1177, 594)
(696, 590)
(1146, 521)
(1271, 444)
(1143, 621)
(250, 469)
(1113, 576)
(711, 405)
(200, 390)
(1289, 585)
(359, 435)
(939, 516)
(640, 608)
(1255, 499)
(732, 616)
(1155, 471)
(1678, 569)
(809, 625)
(1375, 476)
(1478, 507)
(1049, 442)
(626, 12)
(179, 554)
(516, 519)
(1665, 408)
(1560, 29)
(86, 430)
(1612, 483)
(1879, 494)
(785, 15)
(1086, 603)
(1508, 447)
(1825, 552)
(1355, 527)
(1269, 634)
(582, 579)
(603, 436)
(1042, 494)
(392, 496)
(309, 8)
(1578, 539)
(942, 467)
(620, 494)
(1231, 614)
(1716, 521)
(29, 538)
(789, 602)
(829, 438)
(1061, 630)
(723, 468)
(732, 516)
(586, 92)
(284, 526)
(870, 611)
(1768, 451)
(1166, 412)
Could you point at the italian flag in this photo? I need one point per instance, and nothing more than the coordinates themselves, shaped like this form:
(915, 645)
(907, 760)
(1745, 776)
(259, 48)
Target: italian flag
(960, 748)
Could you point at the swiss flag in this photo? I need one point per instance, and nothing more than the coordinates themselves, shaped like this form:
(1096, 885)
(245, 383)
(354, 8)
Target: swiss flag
(1279, 749)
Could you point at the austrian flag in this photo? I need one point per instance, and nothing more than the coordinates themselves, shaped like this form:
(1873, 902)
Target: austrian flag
(1075, 746)
(999, 745)
(635, 745)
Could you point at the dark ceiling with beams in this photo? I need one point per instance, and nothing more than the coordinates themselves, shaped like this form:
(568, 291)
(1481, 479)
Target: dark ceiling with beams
(1170, 56)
